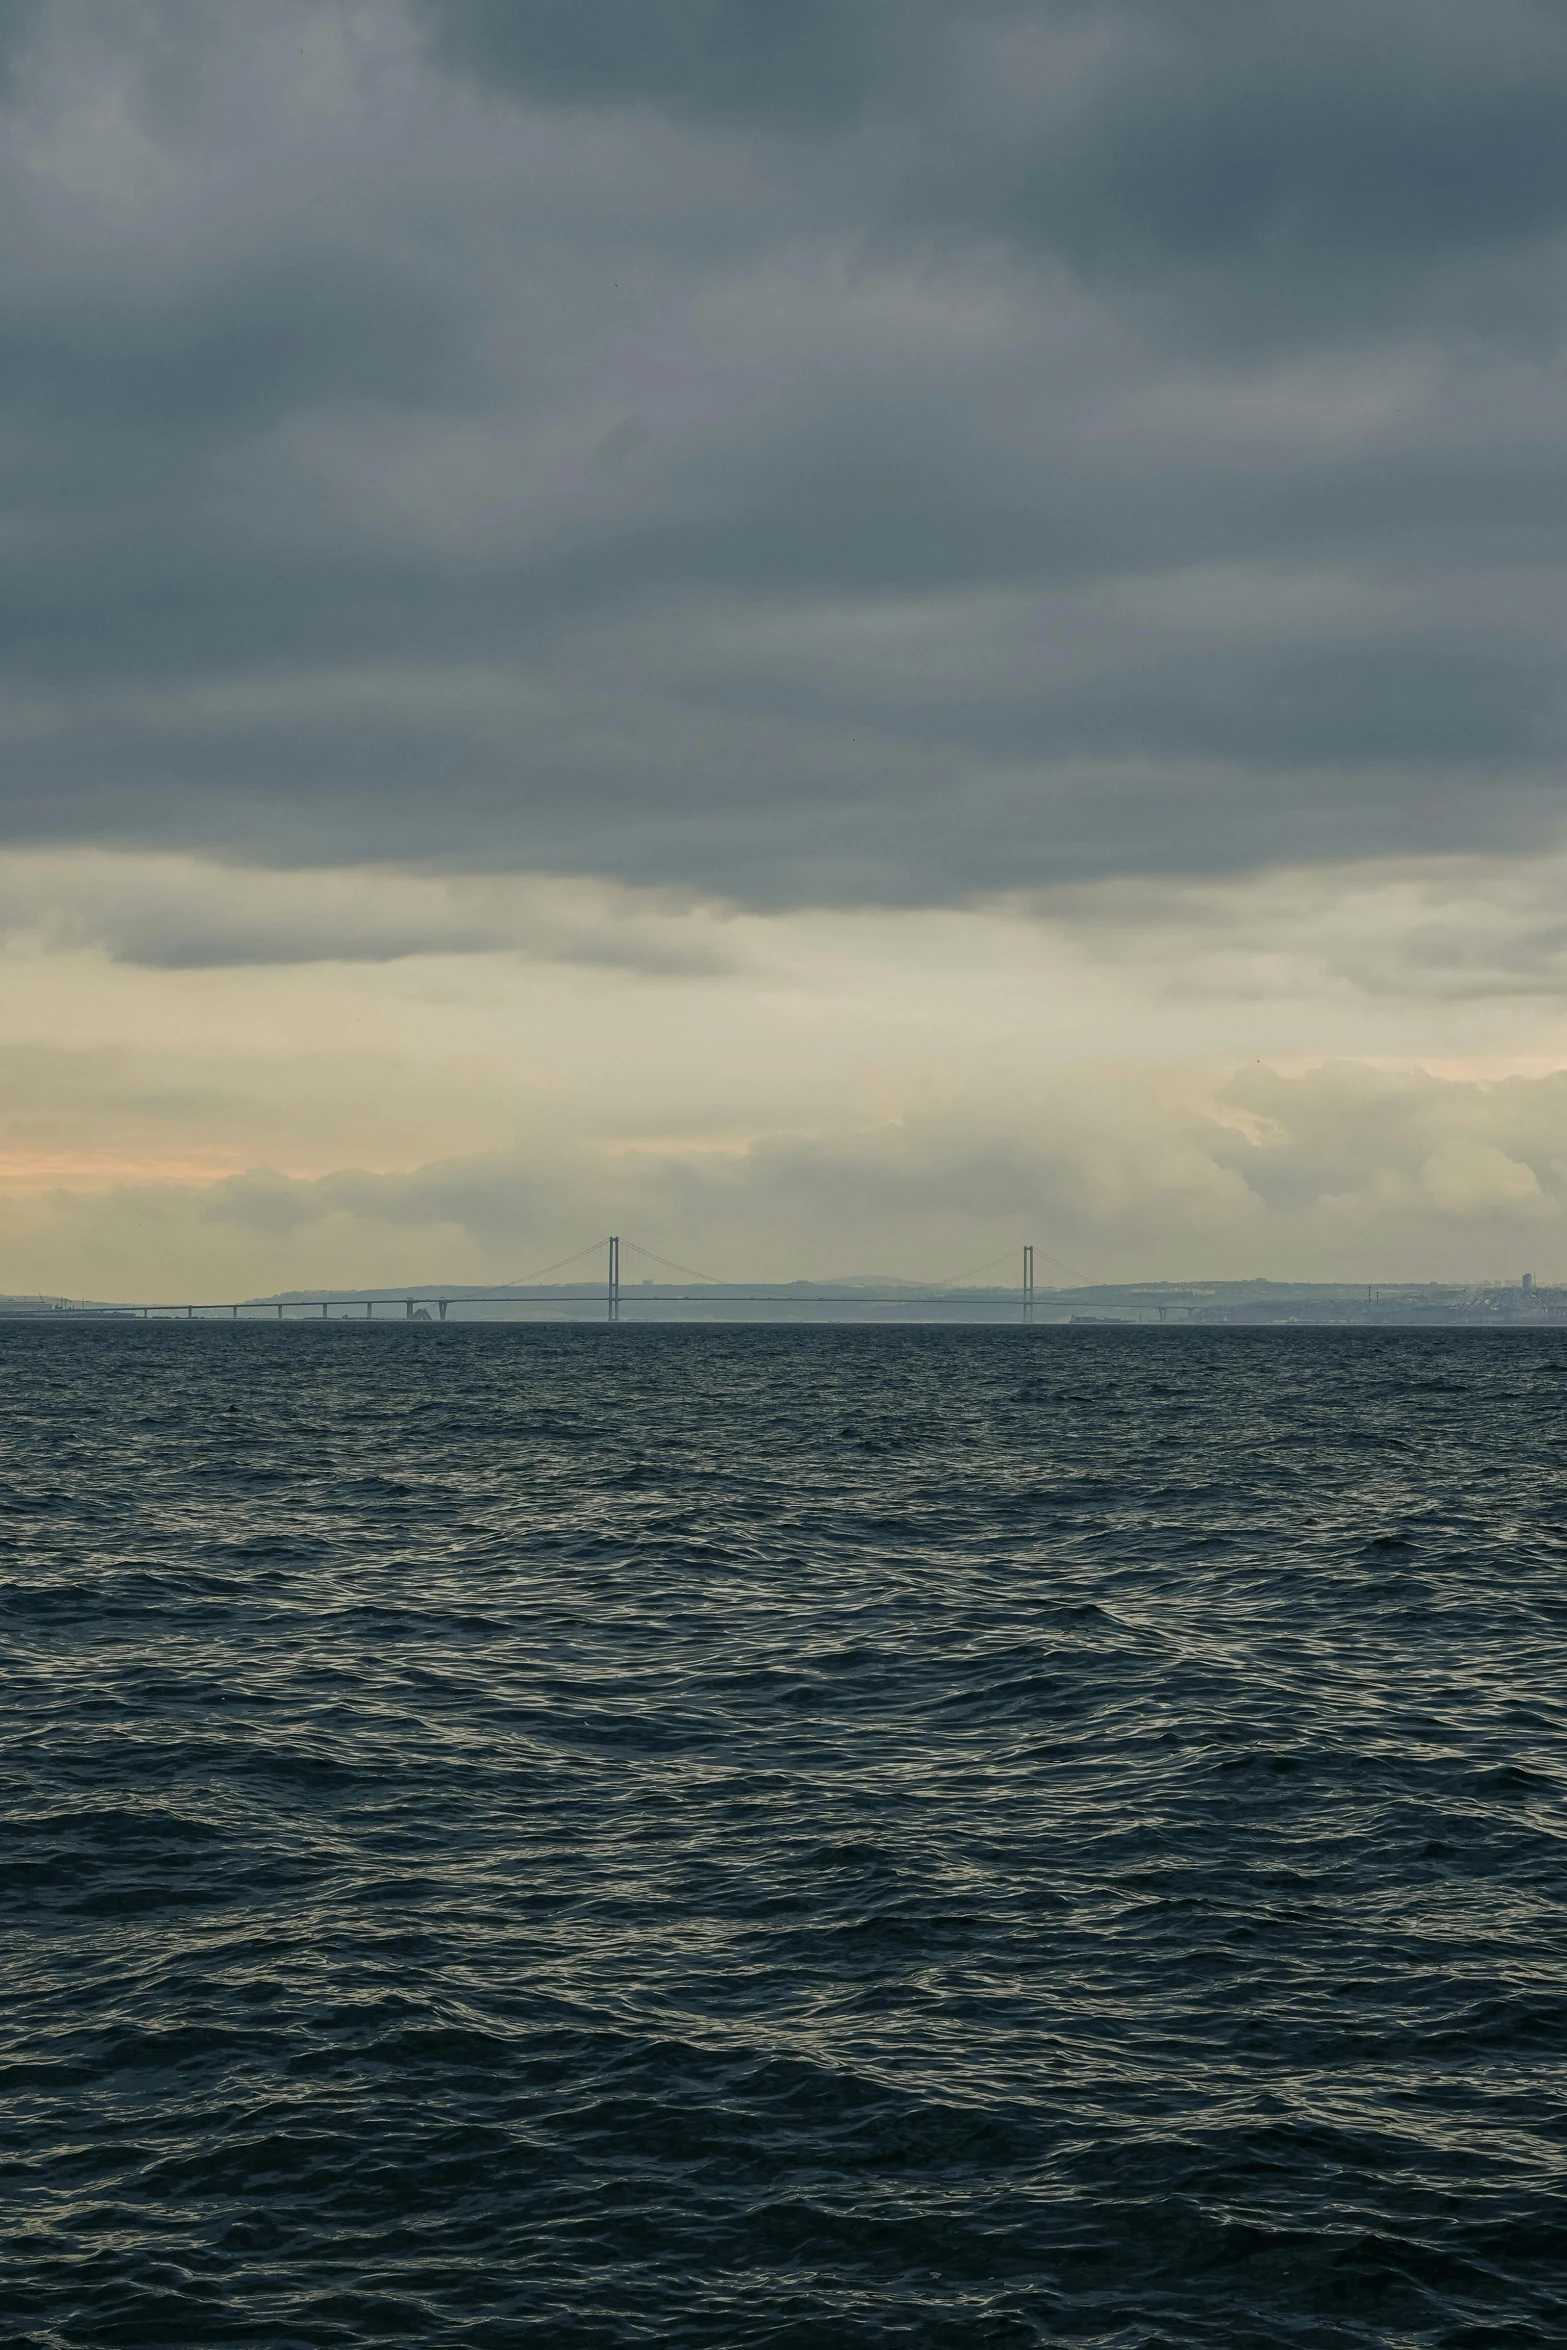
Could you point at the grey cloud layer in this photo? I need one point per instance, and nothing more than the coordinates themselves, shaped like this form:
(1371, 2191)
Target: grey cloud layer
(170, 913)
(843, 451)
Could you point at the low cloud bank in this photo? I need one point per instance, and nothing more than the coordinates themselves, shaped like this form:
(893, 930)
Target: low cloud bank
(1452, 929)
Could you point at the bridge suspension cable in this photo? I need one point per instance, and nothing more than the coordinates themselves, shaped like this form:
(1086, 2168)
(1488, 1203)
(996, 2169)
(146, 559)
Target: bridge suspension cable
(1008, 1256)
(1082, 1279)
(670, 1266)
(527, 1280)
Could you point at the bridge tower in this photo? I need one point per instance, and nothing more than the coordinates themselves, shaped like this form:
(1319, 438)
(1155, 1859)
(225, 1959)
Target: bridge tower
(612, 1297)
(1028, 1282)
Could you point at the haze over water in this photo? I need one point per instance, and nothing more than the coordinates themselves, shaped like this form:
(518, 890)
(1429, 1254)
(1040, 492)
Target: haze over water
(782, 1837)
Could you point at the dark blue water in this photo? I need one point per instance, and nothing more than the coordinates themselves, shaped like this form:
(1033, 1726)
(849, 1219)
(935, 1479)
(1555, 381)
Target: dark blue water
(782, 1837)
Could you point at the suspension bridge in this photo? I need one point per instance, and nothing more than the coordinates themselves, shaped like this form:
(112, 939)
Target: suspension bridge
(595, 1292)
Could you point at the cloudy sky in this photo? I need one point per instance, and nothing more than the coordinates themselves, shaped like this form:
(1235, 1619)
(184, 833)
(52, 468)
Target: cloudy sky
(835, 635)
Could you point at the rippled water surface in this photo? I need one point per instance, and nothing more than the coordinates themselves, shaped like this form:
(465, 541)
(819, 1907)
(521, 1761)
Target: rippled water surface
(782, 1837)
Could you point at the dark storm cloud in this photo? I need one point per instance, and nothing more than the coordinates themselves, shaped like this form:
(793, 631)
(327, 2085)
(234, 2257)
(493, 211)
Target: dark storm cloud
(1307, 154)
(1126, 137)
(830, 451)
(18, 23)
(810, 65)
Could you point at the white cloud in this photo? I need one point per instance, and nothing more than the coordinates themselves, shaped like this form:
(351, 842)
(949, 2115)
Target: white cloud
(1463, 1177)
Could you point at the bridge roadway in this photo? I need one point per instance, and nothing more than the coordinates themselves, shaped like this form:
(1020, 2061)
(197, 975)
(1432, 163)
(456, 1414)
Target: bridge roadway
(531, 1291)
(340, 1308)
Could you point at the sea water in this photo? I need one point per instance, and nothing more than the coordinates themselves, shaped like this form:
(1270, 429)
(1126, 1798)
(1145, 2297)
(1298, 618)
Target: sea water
(790, 1837)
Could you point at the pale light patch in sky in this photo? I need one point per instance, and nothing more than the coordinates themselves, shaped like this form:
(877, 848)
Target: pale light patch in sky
(1145, 1079)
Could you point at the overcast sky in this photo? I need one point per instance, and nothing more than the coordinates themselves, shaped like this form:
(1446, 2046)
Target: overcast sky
(826, 632)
